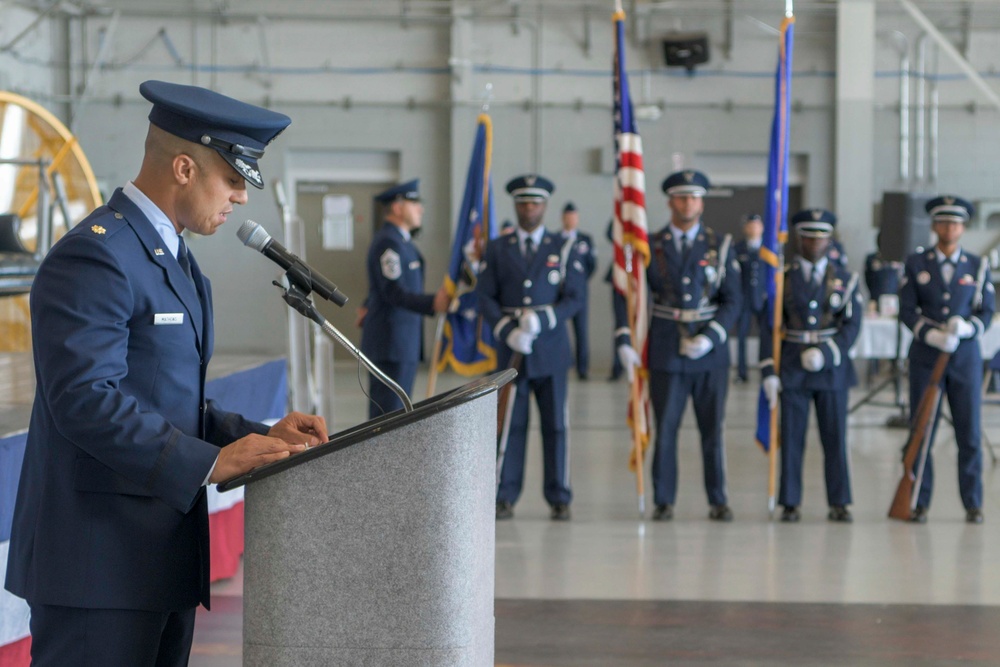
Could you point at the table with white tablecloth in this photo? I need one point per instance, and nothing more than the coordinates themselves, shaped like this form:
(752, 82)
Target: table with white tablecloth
(878, 339)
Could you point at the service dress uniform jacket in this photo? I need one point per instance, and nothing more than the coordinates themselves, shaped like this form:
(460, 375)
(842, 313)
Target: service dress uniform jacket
(692, 296)
(552, 285)
(392, 334)
(881, 276)
(826, 316)
(111, 510)
(754, 292)
(927, 302)
(583, 246)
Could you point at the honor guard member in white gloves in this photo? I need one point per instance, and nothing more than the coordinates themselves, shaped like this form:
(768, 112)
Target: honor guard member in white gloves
(947, 300)
(754, 290)
(694, 282)
(822, 313)
(583, 243)
(530, 285)
(392, 330)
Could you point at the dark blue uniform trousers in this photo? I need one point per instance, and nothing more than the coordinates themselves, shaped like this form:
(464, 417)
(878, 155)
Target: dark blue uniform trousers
(964, 402)
(64, 636)
(550, 396)
(831, 417)
(582, 341)
(668, 394)
(403, 372)
(742, 331)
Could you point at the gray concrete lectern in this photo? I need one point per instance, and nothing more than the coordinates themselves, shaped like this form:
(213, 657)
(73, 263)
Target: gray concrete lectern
(377, 548)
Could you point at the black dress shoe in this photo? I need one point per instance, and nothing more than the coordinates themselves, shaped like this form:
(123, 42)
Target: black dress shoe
(505, 511)
(720, 513)
(560, 512)
(663, 513)
(975, 515)
(790, 514)
(581, 376)
(740, 380)
(919, 514)
(840, 514)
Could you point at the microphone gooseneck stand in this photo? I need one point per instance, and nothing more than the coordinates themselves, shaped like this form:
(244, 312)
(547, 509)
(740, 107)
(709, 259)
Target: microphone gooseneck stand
(298, 300)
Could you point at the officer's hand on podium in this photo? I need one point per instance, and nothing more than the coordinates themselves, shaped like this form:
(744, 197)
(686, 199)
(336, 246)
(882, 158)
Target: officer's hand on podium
(362, 313)
(812, 359)
(696, 347)
(298, 428)
(942, 340)
(630, 360)
(520, 340)
(441, 300)
(961, 327)
(248, 453)
(772, 387)
(529, 322)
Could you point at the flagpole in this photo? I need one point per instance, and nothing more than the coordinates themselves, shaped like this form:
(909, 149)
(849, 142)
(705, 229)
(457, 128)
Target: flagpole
(636, 398)
(779, 276)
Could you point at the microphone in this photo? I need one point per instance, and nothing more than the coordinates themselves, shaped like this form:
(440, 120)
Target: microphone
(256, 237)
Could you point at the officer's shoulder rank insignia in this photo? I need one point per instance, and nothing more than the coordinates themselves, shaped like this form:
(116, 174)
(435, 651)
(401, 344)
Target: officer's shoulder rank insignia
(391, 267)
(97, 229)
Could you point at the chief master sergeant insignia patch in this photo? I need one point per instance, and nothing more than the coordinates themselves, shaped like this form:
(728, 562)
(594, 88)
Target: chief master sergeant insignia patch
(391, 267)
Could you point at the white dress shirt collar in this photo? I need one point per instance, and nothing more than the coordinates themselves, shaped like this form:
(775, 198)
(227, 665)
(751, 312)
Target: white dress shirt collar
(161, 223)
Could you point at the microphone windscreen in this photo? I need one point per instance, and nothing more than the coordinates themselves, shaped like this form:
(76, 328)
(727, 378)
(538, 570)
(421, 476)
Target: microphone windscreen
(253, 235)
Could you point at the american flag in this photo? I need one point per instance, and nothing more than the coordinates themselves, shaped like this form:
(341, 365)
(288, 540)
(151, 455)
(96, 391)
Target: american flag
(630, 236)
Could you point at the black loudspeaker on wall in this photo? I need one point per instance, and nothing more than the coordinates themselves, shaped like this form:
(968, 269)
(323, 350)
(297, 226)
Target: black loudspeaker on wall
(685, 49)
(905, 225)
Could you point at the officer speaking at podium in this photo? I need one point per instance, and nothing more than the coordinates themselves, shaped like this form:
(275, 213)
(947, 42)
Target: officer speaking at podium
(109, 543)
(391, 335)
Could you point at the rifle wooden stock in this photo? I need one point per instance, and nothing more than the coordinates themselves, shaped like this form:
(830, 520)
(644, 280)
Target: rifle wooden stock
(506, 393)
(901, 507)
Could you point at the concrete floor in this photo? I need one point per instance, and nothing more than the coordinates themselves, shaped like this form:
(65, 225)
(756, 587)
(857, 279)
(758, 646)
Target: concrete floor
(609, 588)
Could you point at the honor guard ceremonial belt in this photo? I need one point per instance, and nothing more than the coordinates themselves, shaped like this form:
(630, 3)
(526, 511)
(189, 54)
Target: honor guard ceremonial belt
(808, 336)
(684, 314)
(520, 309)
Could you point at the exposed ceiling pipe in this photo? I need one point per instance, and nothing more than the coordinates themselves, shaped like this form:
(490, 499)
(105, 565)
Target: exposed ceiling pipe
(903, 46)
(921, 105)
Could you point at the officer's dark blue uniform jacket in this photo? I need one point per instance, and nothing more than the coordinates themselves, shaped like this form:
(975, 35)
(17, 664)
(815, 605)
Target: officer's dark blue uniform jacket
(926, 301)
(585, 250)
(111, 512)
(703, 280)
(881, 277)
(751, 276)
(836, 304)
(553, 285)
(396, 300)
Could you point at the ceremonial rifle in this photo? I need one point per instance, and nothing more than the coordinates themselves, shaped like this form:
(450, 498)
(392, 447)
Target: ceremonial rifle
(920, 441)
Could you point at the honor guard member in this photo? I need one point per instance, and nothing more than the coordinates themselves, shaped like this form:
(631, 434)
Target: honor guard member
(584, 246)
(754, 289)
(947, 300)
(694, 282)
(837, 254)
(109, 543)
(822, 311)
(881, 276)
(529, 285)
(392, 330)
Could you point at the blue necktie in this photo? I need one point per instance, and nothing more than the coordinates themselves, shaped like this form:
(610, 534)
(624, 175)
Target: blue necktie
(185, 261)
(685, 247)
(529, 249)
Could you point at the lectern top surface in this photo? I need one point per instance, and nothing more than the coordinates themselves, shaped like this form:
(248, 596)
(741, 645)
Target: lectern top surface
(380, 425)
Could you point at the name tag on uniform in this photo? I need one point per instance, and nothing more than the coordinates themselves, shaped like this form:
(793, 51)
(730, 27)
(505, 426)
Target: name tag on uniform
(168, 318)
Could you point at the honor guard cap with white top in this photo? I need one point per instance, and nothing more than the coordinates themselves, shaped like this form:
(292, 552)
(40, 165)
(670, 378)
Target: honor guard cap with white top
(687, 182)
(410, 191)
(238, 131)
(814, 222)
(948, 208)
(530, 187)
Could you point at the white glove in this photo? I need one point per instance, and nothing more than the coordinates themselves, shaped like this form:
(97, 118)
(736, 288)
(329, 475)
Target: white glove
(630, 360)
(812, 359)
(697, 347)
(961, 327)
(942, 340)
(530, 323)
(772, 387)
(520, 340)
